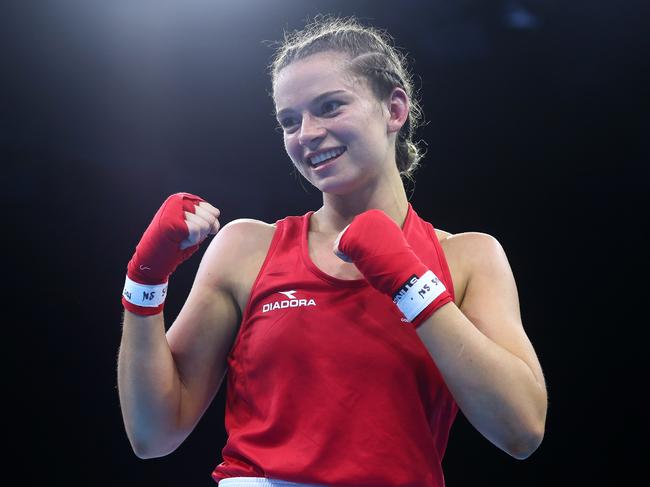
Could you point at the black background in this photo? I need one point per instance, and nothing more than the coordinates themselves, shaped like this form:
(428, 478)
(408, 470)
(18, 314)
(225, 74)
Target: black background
(536, 134)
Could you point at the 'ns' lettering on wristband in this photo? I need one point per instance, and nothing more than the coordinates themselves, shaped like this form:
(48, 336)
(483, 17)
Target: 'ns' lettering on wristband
(144, 295)
(418, 293)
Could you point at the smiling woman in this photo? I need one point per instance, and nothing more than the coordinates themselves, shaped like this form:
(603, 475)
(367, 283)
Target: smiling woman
(350, 336)
(371, 58)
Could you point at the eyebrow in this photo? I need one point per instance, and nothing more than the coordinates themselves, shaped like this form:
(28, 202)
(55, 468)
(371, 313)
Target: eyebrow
(315, 100)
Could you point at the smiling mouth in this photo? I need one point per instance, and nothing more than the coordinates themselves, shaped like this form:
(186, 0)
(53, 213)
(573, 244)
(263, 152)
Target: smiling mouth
(325, 157)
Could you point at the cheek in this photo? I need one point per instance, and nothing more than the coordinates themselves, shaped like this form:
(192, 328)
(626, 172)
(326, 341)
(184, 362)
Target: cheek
(292, 148)
(289, 146)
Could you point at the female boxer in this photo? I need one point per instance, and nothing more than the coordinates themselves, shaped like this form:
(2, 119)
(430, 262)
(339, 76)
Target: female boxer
(350, 336)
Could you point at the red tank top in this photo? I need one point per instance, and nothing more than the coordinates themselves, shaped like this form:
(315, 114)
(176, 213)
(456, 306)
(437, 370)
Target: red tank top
(326, 384)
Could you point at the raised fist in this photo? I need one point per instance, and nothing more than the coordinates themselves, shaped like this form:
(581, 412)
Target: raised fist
(377, 247)
(175, 233)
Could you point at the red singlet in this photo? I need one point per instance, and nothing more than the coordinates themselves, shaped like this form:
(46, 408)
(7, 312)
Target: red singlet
(326, 384)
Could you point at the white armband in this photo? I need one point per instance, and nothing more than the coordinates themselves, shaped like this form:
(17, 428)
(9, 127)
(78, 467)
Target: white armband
(144, 295)
(418, 293)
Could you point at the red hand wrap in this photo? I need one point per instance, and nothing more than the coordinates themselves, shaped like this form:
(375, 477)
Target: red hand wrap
(378, 248)
(158, 254)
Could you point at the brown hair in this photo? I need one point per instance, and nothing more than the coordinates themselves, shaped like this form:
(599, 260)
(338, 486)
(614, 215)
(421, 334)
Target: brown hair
(373, 56)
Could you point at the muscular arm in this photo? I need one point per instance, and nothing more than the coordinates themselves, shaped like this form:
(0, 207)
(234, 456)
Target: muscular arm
(167, 380)
(484, 355)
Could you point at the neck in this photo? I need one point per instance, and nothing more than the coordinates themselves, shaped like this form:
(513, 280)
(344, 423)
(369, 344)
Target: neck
(338, 211)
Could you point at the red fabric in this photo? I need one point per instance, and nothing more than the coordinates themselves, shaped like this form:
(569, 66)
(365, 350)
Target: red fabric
(326, 384)
(376, 245)
(158, 254)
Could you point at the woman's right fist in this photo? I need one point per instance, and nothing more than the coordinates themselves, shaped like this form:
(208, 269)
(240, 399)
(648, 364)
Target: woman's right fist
(178, 227)
(202, 222)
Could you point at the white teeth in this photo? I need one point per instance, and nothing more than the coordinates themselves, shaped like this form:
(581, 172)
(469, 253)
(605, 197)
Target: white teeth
(326, 155)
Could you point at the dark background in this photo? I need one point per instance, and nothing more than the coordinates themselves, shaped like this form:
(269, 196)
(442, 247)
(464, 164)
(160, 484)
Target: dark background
(537, 134)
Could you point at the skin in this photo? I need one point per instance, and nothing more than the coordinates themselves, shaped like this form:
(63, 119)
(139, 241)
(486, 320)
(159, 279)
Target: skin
(167, 380)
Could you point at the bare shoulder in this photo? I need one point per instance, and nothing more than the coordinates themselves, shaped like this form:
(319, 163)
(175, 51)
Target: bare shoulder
(471, 242)
(236, 254)
(463, 252)
(469, 248)
(247, 232)
(238, 242)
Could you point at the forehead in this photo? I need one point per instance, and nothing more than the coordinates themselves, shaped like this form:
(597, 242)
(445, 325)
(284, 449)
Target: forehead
(307, 78)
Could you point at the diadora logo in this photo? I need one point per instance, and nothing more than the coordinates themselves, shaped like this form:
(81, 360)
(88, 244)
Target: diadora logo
(291, 302)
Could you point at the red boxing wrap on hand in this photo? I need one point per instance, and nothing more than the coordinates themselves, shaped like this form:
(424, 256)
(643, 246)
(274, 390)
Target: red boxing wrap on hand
(158, 254)
(377, 247)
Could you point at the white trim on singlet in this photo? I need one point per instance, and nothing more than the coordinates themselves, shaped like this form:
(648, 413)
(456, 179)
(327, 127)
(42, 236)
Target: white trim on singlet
(260, 482)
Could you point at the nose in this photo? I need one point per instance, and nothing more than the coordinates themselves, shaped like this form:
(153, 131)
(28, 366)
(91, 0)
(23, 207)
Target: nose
(311, 132)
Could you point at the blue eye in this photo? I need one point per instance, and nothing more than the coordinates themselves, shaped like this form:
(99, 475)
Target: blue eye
(330, 106)
(287, 123)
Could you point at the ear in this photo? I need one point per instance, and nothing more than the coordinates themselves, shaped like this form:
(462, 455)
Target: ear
(398, 109)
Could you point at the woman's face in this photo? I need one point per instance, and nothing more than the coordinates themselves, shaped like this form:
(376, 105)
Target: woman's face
(335, 130)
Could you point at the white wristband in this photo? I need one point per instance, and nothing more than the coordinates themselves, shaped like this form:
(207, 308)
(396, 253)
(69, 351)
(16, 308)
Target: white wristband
(143, 294)
(418, 293)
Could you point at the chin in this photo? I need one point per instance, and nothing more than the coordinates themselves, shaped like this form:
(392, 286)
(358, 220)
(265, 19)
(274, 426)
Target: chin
(338, 186)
